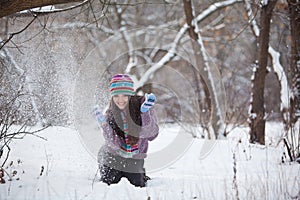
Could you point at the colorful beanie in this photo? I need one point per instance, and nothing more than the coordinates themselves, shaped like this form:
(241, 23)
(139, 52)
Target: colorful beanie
(121, 84)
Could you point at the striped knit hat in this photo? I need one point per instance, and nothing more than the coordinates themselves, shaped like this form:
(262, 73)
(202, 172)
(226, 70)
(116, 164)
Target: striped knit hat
(121, 84)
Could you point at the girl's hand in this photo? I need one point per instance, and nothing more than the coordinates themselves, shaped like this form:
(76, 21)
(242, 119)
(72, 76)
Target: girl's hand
(98, 115)
(148, 103)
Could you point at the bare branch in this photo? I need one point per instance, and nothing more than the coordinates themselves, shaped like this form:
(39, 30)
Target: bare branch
(16, 33)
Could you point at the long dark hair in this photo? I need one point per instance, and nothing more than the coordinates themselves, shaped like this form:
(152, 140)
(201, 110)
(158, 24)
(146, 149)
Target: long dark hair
(133, 117)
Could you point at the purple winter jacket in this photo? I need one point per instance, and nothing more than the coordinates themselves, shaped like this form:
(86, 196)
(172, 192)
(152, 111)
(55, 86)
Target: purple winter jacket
(149, 131)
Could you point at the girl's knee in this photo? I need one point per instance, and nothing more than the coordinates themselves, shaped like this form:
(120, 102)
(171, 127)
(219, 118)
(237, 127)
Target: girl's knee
(136, 179)
(110, 175)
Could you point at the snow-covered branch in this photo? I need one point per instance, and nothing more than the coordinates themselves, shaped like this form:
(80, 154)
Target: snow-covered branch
(278, 69)
(171, 53)
(14, 6)
(88, 26)
(214, 7)
(165, 59)
(218, 121)
(251, 17)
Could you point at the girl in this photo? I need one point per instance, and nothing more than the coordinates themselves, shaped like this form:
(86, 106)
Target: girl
(128, 125)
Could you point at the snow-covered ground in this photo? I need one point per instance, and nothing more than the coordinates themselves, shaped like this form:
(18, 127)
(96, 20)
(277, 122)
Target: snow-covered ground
(62, 168)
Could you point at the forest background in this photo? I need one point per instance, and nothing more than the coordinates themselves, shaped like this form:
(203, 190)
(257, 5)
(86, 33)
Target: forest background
(201, 58)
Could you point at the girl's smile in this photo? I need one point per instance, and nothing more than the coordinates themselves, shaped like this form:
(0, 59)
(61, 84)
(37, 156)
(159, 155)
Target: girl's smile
(121, 100)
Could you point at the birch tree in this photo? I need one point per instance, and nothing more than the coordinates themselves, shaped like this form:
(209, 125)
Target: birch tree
(198, 79)
(201, 61)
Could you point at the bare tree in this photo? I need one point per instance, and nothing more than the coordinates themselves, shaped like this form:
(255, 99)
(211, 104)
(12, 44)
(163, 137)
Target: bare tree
(294, 15)
(291, 141)
(14, 124)
(198, 79)
(257, 110)
(203, 66)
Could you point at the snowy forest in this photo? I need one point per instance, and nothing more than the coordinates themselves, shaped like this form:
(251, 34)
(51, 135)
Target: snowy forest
(217, 68)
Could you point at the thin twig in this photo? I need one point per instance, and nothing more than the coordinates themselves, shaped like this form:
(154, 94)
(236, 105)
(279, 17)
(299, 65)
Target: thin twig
(16, 33)
(95, 178)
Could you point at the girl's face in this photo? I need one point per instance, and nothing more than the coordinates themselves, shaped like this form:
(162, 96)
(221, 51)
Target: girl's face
(121, 100)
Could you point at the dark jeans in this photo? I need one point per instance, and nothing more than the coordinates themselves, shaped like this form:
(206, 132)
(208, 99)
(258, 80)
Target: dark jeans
(114, 167)
(111, 176)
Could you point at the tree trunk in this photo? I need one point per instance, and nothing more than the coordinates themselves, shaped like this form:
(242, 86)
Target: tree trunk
(294, 11)
(193, 35)
(257, 112)
(204, 71)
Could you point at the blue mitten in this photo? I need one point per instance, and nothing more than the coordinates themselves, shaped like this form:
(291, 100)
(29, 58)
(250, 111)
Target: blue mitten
(148, 103)
(98, 114)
